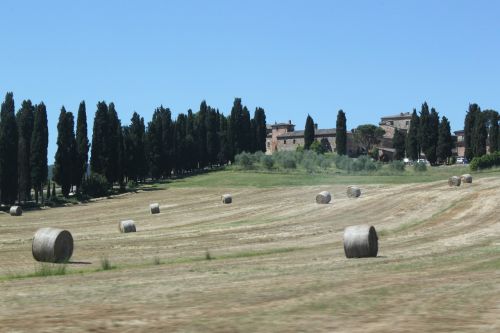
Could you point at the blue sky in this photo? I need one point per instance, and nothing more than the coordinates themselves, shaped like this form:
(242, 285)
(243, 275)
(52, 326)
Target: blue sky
(369, 58)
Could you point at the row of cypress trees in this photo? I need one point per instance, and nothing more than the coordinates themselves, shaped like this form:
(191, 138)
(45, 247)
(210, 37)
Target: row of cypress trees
(480, 130)
(23, 150)
(158, 150)
(428, 134)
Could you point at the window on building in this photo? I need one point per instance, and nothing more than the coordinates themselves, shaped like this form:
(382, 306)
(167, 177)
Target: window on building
(268, 144)
(284, 141)
(407, 123)
(293, 141)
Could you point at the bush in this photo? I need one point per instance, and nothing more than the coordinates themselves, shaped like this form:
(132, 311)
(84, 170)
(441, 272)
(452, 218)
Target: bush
(244, 160)
(420, 167)
(288, 162)
(96, 185)
(267, 161)
(485, 162)
(397, 166)
(131, 185)
(317, 147)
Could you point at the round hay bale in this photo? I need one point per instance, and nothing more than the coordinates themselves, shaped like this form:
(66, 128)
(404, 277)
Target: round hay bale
(353, 191)
(323, 197)
(360, 241)
(454, 181)
(227, 198)
(16, 211)
(126, 226)
(155, 208)
(52, 245)
(466, 178)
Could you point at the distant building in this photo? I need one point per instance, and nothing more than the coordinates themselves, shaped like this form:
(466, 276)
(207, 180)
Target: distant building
(459, 149)
(401, 122)
(284, 137)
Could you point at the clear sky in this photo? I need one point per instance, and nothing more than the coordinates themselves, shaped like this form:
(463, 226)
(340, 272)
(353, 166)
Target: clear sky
(369, 58)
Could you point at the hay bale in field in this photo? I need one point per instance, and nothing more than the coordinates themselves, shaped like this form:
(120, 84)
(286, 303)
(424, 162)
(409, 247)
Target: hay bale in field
(155, 208)
(52, 245)
(360, 241)
(466, 178)
(227, 198)
(323, 197)
(454, 181)
(16, 211)
(126, 226)
(353, 191)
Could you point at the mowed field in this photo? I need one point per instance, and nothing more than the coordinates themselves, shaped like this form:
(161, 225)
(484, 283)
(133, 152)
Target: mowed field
(276, 261)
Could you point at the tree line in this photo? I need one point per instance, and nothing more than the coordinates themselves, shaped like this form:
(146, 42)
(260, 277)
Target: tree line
(119, 153)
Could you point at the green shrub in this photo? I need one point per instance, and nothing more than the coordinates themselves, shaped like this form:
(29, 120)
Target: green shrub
(288, 162)
(96, 185)
(397, 166)
(267, 161)
(132, 185)
(485, 162)
(317, 147)
(420, 167)
(244, 160)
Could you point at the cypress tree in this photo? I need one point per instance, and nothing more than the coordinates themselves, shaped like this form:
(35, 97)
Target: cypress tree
(445, 141)
(245, 131)
(260, 129)
(65, 155)
(399, 144)
(155, 139)
(341, 133)
(39, 144)
(469, 124)
(190, 143)
(8, 151)
(99, 148)
(48, 189)
(234, 129)
(412, 142)
(53, 190)
(181, 156)
(479, 135)
(212, 138)
(24, 119)
(225, 145)
(308, 132)
(139, 165)
(113, 167)
(167, 142)
(493, 131)
(424, 134)
(82, 146)
(433, 135)
(201, 134)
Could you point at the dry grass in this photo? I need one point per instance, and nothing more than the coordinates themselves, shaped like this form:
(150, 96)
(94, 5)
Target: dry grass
(277, 265)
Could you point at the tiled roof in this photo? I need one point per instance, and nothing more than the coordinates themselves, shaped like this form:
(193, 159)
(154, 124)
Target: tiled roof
(399, 116)
(300, 134)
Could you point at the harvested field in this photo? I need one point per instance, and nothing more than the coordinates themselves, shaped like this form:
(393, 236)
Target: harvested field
(277, 262)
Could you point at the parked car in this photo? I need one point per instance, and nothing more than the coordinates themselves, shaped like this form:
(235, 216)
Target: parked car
(423, 160)
(462, 160)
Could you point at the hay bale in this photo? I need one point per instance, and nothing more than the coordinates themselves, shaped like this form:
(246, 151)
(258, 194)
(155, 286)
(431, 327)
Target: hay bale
(126, 226)
(155, 208)
(227, 198)
(52, 245)
(360, 241)
(323, 197)
(454, 181)
(353, 191)
(16, 211)
(466, 178)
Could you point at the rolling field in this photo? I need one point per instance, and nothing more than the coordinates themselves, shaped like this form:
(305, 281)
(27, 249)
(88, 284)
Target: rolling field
(272, 261)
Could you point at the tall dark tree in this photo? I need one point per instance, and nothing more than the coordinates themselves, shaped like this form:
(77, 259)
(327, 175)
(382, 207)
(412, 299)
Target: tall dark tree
(8, 151)
(235, 136)
(190, 143)
(246, 131)
(25, 121)
(113, 168)
(341, 133)
(445, 141)
(259, 118)
(158, 140)
(399, 144)
(479, 135)
(65, 154)
(470, 121)
(212, 140)
(82, 146)
(99, 147)
(201, 134)
(180, 149)
(433, 135)
(424, 134)
(492, 125)
(309, 132)
(225, 145)
(412, 141)
(39, 144)
(137, 167)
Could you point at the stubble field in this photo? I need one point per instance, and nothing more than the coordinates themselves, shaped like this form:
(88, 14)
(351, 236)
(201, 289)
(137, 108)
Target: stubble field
(272, 261)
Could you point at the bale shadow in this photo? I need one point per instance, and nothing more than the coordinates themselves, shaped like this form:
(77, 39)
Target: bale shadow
(79, 263)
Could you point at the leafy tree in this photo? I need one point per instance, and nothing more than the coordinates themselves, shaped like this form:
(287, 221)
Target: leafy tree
(66, 152)
(82, 146)
(445, 141)
(341, 133)
(368, 135)
(8, 151)
(259, 118)
(38, 158)
(399, 144)
(308, 132)
(24, 119)
(479, 135)
(412, 141)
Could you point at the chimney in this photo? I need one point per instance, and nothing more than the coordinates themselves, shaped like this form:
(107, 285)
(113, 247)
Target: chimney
(289, 122)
